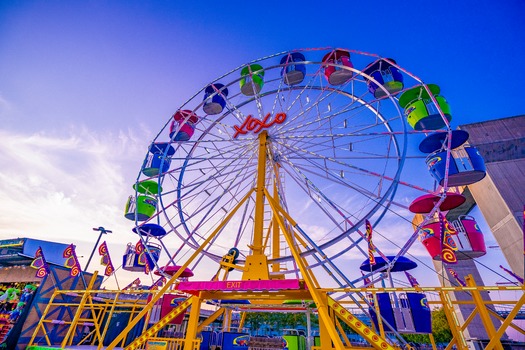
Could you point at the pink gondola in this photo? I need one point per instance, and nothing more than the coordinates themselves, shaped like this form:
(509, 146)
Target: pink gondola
(183, 125)
(471, 241)
(173, 269)
(425, 203)
(468, 238)
(334, 67)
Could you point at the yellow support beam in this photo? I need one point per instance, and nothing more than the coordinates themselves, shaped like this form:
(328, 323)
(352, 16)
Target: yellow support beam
(493, 341)
(193, 323)
(516, 327)
(151, 332)
(483, 313)
(257, 244)
(68, 339)
(241, 321)
(210, 319)
(172, 280)
(455, 327)
(42, 320)
(276, 235)
(363, 330)
(318, 297)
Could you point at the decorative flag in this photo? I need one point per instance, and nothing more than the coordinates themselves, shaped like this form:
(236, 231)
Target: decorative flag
(136, 282)
(456, 276)
(371, 248)
(412, 280)
(448, 246)
(40, 264)
(71, 261)
(512, 274)
(106, 259)
(366, 280)
(159, 283)
(143, 260)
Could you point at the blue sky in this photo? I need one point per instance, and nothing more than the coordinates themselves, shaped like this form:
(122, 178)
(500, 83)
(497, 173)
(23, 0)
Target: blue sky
(86, 85)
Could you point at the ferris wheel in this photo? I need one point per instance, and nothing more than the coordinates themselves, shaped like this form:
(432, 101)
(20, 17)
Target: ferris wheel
(330, 134)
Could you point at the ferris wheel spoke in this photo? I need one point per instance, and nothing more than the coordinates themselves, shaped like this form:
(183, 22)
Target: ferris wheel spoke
(300, 92)
(319, 156)
(342, 230)
(228, 189)
(339, 152)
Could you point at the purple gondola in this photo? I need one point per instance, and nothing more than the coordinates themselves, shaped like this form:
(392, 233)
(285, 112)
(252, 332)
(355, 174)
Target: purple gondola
(386, 75)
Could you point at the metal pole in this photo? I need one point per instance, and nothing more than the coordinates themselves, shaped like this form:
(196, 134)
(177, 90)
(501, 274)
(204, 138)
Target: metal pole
(102, 231)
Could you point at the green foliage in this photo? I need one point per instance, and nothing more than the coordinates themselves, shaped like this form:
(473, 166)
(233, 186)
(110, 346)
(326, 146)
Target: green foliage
(440, 330)
(277, 321)
(416, 338)
(440, 327)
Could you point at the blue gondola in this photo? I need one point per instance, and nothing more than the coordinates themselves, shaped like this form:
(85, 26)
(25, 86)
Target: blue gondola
(293, 72)
(466, 165)
(158, 160)
(214, 99)
(131, 260)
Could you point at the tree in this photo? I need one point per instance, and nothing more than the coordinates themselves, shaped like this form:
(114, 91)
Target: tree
(440, 327)
(440, 330)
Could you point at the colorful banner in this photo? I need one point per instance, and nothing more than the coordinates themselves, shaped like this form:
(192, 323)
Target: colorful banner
(512, 274)
(143, 260)
(371, 248)
(135, 282)
(366, 280)
(448, 246)
(40, 264)
(159, 283)
(456, 276)
(412, 280)
(106, 259)
(72, 261)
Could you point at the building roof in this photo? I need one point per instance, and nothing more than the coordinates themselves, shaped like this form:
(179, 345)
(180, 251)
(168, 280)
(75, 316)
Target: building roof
(21, 251)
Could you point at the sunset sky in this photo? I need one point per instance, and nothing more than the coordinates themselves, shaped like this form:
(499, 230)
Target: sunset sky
(86, 85)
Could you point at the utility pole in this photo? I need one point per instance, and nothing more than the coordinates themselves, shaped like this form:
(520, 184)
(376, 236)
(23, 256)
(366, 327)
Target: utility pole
(102, 231)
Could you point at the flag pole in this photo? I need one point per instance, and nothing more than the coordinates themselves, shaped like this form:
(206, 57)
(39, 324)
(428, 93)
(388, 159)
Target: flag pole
(102, 231)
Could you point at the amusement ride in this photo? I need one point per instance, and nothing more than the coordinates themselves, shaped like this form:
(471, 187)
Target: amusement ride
(300, 182)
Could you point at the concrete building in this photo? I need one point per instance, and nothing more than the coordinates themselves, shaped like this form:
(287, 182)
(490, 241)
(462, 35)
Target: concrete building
(500, 196)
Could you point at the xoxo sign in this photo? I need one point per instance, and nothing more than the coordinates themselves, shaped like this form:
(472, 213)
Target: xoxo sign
(256, 125)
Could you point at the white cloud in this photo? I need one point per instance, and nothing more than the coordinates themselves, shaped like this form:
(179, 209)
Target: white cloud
(5, 105)
(58, 187)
